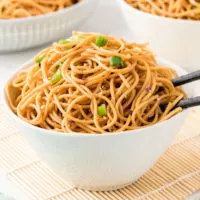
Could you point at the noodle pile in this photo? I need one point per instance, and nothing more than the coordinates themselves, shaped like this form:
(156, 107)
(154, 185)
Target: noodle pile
(27, 8)
(93, 83)
(178, 9)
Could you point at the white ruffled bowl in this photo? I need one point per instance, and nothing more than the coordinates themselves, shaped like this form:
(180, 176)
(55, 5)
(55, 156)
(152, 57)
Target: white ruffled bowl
(19, 34)
(103, 161)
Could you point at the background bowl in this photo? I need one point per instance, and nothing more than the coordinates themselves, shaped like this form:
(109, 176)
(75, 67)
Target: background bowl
(103, 162)
(173, 39)
(18, 34)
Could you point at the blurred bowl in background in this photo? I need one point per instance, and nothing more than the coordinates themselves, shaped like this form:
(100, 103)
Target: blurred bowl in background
(23, 33)
(176, 40)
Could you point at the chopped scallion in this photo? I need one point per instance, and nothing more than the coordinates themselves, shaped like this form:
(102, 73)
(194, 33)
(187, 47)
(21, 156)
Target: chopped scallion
(64, 42)
(76, 37)
(116, 61)
(72, 39)
(100, 41)
(102, 110)
(39, 60)
(80, 37)
(56, 77)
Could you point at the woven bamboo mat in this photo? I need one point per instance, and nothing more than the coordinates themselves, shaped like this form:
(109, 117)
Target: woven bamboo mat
(175, 176)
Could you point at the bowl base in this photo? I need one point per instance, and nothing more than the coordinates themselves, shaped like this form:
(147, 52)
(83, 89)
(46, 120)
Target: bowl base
(102, 189)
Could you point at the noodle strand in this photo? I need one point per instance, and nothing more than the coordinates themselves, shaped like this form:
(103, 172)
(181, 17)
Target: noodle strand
(89, 95)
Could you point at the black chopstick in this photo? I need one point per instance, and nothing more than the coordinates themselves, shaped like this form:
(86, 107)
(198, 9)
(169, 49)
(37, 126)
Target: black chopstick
(189, 102)
(186, 78)
(184, 103)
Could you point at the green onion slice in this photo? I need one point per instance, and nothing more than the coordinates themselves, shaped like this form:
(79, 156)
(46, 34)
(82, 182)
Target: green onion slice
(116, 61)
(72, 39)
(56, 77)
(100, 41)
(64, 42)
(79, 37)
(39, 60)
(76, 38)
(102, 110)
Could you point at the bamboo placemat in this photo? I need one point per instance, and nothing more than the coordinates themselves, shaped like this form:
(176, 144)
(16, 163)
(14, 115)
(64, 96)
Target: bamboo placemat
(175, 176)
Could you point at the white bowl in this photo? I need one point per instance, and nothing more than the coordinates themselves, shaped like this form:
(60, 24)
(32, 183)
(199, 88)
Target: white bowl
(107, 161)
(18, 34)
(173, 39)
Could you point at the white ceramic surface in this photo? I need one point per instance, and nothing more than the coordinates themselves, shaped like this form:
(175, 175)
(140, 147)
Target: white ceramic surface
(172, 39)
(103, 162)
(18, 34)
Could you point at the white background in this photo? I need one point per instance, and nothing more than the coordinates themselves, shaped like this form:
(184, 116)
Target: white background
(106, 19)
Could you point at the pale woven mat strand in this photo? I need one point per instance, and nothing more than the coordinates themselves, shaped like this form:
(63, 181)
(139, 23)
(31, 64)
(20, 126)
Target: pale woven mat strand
(175, 176)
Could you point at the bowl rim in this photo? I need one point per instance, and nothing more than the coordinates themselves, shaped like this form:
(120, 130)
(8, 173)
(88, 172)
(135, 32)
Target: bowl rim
(74, 134)
(158, 17)
(44, 16)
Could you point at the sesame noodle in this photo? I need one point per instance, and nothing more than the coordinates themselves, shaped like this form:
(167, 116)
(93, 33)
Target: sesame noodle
(94, 83)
